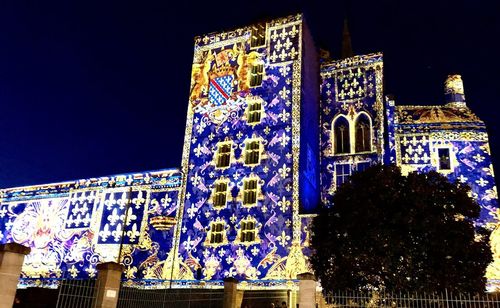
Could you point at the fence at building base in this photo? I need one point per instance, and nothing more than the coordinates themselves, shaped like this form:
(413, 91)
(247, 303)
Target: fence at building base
(83, 293)
(131, 297)
(410, 300)
(77, 293)
(163, 298)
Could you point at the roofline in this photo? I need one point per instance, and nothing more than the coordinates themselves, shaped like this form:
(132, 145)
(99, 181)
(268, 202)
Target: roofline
(258, 21)
(71, 182)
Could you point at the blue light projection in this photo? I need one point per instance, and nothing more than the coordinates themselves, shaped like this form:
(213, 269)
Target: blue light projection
(269, 133)
(261, 239)
(73, 226)
(350, 89)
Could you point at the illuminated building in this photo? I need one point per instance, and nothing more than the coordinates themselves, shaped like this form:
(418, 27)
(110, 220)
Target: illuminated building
(270, 132)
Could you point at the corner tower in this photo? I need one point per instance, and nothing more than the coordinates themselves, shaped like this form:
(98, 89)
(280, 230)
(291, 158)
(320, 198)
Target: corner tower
(451, 140)
(250, 154)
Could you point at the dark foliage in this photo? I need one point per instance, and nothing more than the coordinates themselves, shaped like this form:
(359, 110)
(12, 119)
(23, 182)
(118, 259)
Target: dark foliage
(400, 233)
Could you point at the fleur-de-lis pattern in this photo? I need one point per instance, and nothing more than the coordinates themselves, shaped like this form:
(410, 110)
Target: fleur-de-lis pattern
(284, 43)
(415, 150)
(351, 84)
(72, 227)
(122, 216)
(276, 209)
(80, 209)
(159, 227)
(349, 88)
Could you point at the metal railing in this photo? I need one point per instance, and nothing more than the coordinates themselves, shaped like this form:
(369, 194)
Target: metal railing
(82, 293)
(265, 299)
(163, 298)
(403, 300)
(77, 293)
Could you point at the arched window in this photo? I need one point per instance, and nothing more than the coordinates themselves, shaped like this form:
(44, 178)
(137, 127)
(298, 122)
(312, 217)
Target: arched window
(363, 133)
(341, 136)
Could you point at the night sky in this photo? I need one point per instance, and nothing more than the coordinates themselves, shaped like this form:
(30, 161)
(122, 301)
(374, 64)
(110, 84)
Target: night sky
(90, 89)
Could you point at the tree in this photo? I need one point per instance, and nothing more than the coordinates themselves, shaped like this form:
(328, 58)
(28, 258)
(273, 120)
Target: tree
(400, 233)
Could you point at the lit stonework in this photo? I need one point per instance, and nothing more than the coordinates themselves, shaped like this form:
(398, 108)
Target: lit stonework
(270, 134)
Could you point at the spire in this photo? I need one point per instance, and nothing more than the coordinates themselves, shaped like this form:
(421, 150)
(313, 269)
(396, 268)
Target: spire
(346, 41)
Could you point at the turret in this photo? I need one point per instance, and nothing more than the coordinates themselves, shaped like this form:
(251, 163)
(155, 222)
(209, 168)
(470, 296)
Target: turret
(454, 91)
(346, 42)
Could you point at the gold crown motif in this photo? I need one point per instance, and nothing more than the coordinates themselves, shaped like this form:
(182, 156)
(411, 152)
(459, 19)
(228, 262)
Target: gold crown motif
(162, 223)
(223, 70)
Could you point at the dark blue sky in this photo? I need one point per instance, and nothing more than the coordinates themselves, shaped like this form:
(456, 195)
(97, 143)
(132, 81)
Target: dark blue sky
(97, 88)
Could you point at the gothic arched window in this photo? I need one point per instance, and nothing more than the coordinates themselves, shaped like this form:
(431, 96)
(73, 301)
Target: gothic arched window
(363, 133)
(341, 136)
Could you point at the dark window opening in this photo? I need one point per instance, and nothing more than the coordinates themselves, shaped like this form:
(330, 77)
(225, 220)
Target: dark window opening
(362, 166)
(254, 113)
(341, 136)
(258, 35)
(220, 193)
(342, 173)
(216, 233)
(223, 155)
(250, 192)
(444, 159)
(247, 231)
(363, 133)
(256, 74)
(252, 153)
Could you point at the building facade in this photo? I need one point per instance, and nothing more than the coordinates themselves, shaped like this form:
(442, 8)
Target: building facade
(271, 132)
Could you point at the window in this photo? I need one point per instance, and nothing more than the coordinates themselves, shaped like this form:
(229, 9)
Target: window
(444, 159)
(217, 233)
(360, 167)
(219, 196)
(341, 137)
(223, 156)
(247, 233)
(252, 152)
(363, 133)
(256, 73)
(342, 173)
(249, 192)
(254, 112)
(258, 35)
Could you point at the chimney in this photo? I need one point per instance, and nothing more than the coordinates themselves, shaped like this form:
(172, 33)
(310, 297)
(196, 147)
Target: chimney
(454, 91)
(324, 55)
